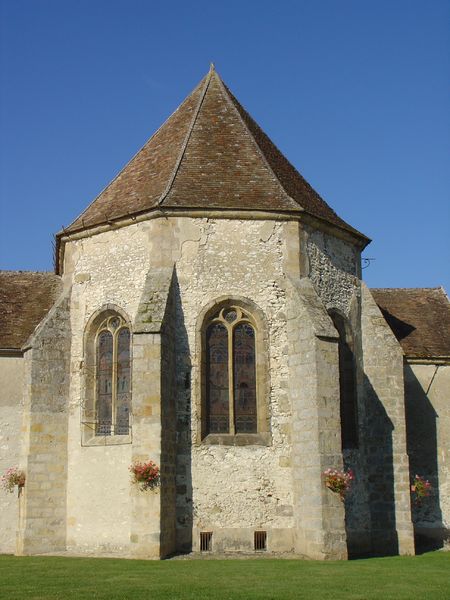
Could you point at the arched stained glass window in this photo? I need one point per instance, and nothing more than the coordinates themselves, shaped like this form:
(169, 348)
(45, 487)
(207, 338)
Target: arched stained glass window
(113, 378)
(217, 380)
(104, 382)
(231, 403)
(123, 382)
(244, 376)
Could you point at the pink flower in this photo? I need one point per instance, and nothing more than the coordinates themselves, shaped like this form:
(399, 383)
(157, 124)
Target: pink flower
(145, 474)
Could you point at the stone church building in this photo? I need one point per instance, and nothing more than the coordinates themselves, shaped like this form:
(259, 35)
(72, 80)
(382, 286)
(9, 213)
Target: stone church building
(207, 312)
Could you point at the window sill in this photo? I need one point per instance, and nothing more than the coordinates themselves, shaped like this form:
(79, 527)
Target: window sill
(105, 440)
(239, 439)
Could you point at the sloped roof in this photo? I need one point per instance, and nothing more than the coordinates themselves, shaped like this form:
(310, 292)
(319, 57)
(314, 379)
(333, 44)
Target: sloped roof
(419, 319)
(25, 299)
(210, 154)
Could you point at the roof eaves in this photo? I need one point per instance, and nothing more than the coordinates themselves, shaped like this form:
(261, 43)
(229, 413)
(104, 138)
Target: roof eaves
(11, 352)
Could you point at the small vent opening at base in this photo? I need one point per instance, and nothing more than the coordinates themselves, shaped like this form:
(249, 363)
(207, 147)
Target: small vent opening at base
(205, 541)
(260, 541)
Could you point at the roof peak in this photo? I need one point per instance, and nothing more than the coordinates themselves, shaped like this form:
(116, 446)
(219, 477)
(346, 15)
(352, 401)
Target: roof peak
(211, 155)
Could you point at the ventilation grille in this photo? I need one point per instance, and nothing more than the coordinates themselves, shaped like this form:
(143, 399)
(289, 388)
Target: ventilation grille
(205, 541)
(260, 541)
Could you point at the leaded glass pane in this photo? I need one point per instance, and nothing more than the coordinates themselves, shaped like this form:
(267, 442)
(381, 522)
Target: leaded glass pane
(123, 382)
(230, 316)
(114, 323)
(244, 371)
(217, 402)
(104, 383)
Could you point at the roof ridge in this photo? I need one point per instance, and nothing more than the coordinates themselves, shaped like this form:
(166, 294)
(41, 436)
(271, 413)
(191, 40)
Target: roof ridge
(188, 136)
(26, 272)
(255, 143)
(407, 289)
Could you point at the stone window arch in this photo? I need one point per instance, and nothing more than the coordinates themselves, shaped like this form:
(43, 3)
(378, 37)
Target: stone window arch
(234, 374)
(347, 381)
(106, 415)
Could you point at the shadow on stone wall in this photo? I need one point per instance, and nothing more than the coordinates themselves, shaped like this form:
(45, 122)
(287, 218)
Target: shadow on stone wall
(421, 436)
(168, 427)
(357, 517)
(380, 537)
(184, 516)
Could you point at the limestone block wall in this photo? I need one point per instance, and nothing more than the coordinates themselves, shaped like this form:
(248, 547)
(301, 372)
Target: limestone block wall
(427, 388)
(316, 444)
(168, 430)
(335, 271)
(384, 429)
(42, 519)
(146, 509)
(124, 269)
(232, 490)
(108, 269)
(11, 405)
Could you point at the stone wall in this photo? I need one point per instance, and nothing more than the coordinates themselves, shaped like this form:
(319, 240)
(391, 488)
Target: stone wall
(162, 275)
(214, 259)
(168, 428)
(42, 519)
(383, 427)
(316, 440)
(109, 269)
(334, 269)
(11, 403)
(428, 436)
(232, 490)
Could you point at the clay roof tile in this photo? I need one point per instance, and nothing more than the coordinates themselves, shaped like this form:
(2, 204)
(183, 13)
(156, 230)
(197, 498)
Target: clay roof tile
(211, 155)
(25, 299)
(419, 318)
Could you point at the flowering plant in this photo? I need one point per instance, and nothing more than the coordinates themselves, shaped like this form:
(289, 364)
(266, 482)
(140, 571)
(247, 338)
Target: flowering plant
(12, 477)
(339, 481)
(421, 487)
(145, 473)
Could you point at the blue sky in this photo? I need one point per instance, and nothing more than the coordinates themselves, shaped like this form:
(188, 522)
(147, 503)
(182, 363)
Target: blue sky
(354, 92)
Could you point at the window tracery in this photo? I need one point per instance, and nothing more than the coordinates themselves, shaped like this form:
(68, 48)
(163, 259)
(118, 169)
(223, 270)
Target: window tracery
(231, 382)
(106, 407)
(113, 377)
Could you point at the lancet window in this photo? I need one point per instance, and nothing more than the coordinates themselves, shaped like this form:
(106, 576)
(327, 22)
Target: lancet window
(112, 377)
(230, 372)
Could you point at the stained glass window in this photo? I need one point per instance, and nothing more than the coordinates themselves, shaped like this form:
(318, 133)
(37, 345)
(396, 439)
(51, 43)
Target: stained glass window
(104, 382)
(113, 400)
(217, 379)
(123, 382)
(244, 378)
(231, 402)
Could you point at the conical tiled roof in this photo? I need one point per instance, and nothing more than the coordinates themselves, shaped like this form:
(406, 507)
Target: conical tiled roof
(210, 155)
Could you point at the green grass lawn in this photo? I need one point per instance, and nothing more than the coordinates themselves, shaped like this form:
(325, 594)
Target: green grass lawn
(426, 577)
